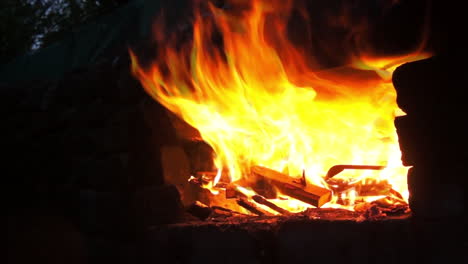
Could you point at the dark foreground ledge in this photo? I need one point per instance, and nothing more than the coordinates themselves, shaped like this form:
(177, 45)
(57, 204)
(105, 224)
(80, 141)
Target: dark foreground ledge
(313, 238)
(306, 239)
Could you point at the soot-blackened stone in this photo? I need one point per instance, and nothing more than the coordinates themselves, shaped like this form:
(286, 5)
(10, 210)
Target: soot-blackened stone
(432, 135)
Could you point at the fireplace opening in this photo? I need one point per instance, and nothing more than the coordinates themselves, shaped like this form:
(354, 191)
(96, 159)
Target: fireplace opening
(287, 130)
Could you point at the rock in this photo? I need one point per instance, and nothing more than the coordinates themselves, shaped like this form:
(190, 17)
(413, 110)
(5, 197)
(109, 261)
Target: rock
(176, 169)
(149, 129)
(432, 136)
(200, 156)
(431, 87)
(157, 205)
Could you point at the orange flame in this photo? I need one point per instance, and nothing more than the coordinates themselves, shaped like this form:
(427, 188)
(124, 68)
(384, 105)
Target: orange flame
(256, 101)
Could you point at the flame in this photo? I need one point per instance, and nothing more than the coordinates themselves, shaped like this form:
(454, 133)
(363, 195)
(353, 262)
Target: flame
(256, 100)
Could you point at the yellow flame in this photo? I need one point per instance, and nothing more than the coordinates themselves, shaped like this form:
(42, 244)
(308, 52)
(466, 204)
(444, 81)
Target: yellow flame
(256, 102)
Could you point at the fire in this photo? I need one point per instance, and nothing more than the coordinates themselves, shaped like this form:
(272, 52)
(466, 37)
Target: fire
(256, 100)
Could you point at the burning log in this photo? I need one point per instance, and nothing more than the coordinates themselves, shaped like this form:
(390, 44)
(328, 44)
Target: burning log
(264, 188)
(233, 192)
(261, 200)
(251, 207)
(314, 195)
(311, 194)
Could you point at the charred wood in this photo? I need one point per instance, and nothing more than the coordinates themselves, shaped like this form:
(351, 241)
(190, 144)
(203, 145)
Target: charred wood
(373, 188)
(311, 194)
(365, 187)
(265, 188)
(372, 213)
(200, 210)
(221, 211)
(251, 207)
(261, 200)
(387, 206)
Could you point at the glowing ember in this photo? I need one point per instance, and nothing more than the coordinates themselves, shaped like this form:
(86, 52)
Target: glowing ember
(256, 102)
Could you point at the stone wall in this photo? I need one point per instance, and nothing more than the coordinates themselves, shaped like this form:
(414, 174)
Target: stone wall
(88, 145)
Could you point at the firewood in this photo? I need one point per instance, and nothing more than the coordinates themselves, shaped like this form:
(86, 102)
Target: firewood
(387, 206)
(311, 194)
(263, 187)
(271, 174)
(232, 191)
(399, 209)
(314, 195)
(261, 200)
(221, 211)
(199, 210)
(251, 207)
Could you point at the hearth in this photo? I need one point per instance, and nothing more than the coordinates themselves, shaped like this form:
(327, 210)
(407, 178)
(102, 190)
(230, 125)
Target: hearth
(239, 208)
